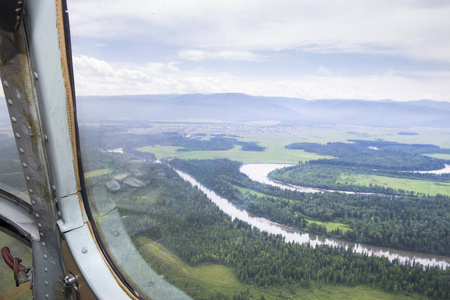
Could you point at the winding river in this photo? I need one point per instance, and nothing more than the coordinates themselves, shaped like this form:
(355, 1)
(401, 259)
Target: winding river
(259, 173)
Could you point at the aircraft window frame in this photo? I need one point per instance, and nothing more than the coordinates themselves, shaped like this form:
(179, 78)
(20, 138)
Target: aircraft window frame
(53, 83)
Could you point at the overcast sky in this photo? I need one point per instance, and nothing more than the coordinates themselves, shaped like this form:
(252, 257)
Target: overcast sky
(309, 49)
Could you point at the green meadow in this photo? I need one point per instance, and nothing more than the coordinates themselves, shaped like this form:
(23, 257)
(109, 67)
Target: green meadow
(206, 281)
(419, 186)
(440, 156)
(330, 225)
(274, 152)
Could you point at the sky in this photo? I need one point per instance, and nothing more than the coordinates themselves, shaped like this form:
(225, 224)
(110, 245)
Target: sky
(310, 49)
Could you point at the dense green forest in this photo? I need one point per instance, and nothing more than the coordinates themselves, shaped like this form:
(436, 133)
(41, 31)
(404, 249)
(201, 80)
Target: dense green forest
(420, 223)
(256, 257)
(376, 155)
(330, 177)
(116, 136)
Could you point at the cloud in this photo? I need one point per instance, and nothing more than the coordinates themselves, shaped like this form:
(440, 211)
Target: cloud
(97, 77)
(198, 55)
(416, 29)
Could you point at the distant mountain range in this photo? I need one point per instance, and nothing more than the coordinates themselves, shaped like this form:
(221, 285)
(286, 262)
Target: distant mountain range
(231, 107)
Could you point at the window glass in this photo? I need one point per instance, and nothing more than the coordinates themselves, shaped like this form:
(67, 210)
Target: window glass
(247, 150)
(11, 175)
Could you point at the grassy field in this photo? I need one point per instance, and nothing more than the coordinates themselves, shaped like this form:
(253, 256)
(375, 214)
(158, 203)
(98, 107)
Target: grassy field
(440, 156)
(244, 190)
(419, 186)
(331, 225)
(274, 153)
(208, 279)
(97, 173)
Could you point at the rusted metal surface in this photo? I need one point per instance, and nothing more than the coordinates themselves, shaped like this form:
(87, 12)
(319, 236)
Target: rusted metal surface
(18, 83)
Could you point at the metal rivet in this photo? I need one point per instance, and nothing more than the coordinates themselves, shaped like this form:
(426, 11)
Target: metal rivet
(84, 250)
(46, 269)
(36, 75)
(46, 282)
(53, 188)
(10, 102)
(6, 84)
(39, 224)
(28, 178)
(18, 135)
(37, 215)
(13, 119)
(41, 233)
(43, 244)
(33, 202)
(59, 213)
(21, 150)
(31, 191)
(45, 256)
(24, 165)
(45, 138)
(47, 296)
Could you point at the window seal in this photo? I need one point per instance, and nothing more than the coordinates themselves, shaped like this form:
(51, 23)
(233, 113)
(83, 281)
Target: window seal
(82, 181)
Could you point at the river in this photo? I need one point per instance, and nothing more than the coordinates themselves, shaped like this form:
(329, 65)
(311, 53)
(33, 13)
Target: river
(292, 235)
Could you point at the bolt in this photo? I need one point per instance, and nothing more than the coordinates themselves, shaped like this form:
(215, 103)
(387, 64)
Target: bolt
(84, 250)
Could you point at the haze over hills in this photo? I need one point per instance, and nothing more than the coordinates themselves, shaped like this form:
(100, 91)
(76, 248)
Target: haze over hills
(231, 107)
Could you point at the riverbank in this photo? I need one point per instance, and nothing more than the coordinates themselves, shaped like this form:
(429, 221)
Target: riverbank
(297, 236)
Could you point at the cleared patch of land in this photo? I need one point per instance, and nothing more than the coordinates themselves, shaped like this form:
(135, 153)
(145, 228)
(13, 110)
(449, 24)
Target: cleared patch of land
(211, 279)
(419, 186)
(330, 226)
(97, 173)
(440, 156)
(274, 152)
(203, 279)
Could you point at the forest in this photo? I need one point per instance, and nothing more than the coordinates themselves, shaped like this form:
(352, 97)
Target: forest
(419, 222)
(256, 257)
(116, 136)
(331, 177)
(376, 155)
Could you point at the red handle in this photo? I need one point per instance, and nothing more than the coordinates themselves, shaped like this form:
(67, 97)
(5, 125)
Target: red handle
(9, 260)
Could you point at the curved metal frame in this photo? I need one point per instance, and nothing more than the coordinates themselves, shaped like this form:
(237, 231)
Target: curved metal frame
(39, 91)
